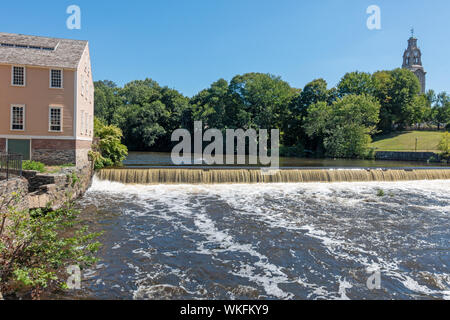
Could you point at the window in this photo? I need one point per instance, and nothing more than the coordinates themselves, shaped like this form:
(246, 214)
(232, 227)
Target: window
(56, 78)
(18, 118)
(18, 76)
(82, 122)
(55, 119)
(86, 125)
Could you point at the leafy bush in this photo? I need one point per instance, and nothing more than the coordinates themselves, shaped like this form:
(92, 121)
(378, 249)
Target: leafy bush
(444, 145)
(108, 151)
(33, 165)
(294, 151)
(34, 246)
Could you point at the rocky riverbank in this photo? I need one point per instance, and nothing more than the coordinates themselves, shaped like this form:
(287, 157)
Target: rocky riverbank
(40, 190)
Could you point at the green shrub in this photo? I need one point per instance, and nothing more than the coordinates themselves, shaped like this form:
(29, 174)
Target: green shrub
(380, 193)
(444, 145)
(293, 151)
(36, 245)
(108, 151)
(33, 165)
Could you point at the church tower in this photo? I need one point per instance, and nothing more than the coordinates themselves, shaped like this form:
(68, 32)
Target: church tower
(412, 60)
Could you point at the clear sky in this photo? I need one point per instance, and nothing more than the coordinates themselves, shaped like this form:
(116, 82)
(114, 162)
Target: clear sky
(188, 44)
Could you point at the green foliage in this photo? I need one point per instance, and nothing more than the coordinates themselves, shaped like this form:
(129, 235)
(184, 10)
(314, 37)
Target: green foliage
(36, 245)
(148, 114)
(73, 178)
(259, 101)
(33, 166)
(109, 150)
(356, 83)
(380, 193)
(396, 91)
(292, 151)
(444, 145)
(440, 112)
(344, 128)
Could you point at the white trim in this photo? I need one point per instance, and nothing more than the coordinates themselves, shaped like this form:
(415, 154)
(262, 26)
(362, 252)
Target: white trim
(50, 78)
(24, 76)
(61, 108)
(75, 104)
(11, 117)
(9, 136)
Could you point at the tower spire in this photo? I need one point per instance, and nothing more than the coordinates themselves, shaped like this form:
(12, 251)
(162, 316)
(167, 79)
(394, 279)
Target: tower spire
(412, 60)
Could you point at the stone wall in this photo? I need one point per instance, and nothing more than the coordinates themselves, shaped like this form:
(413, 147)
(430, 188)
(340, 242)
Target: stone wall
(82, 153)
(54, 152)
(8, 191)
(407, 156)
(47, 190)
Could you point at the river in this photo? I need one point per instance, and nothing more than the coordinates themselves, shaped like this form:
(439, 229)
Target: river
(270, 241)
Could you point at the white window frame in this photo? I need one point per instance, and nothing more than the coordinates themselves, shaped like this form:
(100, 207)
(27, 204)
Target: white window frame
(87, 123)
(82, 122)
(24, 117)
(62, 78)
(50, 118)
(24, 76)
(90, 125)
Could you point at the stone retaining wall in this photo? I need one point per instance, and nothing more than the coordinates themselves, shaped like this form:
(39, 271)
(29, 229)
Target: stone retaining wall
(8, 191)
(407, 156)
(46, 190)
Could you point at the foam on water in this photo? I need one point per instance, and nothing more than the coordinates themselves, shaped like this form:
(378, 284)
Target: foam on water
(314, 240)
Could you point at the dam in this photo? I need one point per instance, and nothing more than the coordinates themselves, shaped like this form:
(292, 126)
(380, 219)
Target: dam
(177, 175)
(317, 229)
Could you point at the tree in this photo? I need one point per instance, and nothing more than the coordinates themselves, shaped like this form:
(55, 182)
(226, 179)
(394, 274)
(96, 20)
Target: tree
(356, 83)
(149, 114)
(314, 92)
(396, 91)
(444, 145)
(440, 113)
(419, 111)
(211, 106)
(259, 101)
(107, 100)
(344, 128)
(109, 150)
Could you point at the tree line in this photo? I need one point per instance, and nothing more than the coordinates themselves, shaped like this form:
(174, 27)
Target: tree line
(319, 120)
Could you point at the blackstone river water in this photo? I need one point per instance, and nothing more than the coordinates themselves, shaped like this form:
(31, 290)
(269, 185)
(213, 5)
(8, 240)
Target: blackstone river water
(270, 241)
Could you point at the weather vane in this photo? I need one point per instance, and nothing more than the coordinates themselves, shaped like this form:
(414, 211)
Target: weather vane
(412, 32)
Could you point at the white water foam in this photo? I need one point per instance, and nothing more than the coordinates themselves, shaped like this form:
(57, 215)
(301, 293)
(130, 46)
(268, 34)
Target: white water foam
(250, 200)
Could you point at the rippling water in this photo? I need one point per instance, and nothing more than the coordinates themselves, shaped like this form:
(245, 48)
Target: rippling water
(280, 241)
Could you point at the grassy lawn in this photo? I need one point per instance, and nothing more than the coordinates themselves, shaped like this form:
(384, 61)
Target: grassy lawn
(406, 141)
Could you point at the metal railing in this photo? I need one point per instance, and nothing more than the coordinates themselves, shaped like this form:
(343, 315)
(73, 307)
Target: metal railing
(10, 165)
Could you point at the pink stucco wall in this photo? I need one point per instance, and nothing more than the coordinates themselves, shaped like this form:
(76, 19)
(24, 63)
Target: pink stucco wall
(37, 96)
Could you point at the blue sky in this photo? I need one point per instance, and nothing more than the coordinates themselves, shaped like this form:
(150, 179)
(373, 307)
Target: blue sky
(189, 44)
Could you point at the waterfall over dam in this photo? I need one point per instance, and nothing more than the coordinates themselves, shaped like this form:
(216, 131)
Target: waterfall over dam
(250, 176)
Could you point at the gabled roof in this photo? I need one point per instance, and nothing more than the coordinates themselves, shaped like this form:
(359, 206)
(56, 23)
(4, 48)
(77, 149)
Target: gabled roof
(40, 51)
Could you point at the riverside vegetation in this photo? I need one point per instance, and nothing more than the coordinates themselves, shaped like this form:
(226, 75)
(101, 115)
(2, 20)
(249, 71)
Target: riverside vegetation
(36, 247)
(316, 120)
